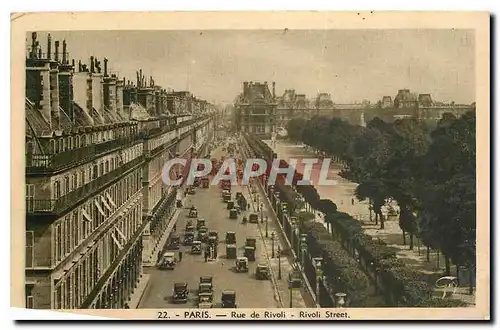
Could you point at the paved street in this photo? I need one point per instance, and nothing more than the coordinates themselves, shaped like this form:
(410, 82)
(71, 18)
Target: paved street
(250, 292)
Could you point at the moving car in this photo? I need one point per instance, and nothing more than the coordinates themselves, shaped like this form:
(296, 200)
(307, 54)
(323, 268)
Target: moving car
(193, 212)
(250, 253)
(262, 272)
(226, 196)
(228, 299)
(206, 279)
(202, 234)
(230, 237)
(191, 190)
(230, 204)
(174, 242)
(251, 241)
(205, 300)
(233, 213)
(168, 261)
(205, 182)
(200, 223)
(253, 218)
(230, 251)
(181, 292)
(213, 233)
(196, 247)
(188, 237)
(241, 265)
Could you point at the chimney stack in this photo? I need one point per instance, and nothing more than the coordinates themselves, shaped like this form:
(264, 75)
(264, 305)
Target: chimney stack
(49, 46)
(79, 65)
(92, 64)
(274, 89)
(105, 67)
(56, 54)
(33, 45)
(64, 58)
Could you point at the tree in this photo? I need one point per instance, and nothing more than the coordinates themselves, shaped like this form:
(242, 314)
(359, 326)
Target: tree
(295, 128)
(448, 190)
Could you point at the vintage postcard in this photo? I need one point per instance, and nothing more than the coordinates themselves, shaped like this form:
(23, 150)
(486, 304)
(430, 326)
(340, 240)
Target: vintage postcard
(251, 165)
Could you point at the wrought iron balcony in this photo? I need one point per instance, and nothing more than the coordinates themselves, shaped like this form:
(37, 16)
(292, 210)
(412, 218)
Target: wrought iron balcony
(53, 162)
(68, 200)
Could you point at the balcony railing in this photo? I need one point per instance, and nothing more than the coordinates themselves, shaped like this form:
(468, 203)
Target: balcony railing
(53, 162)
(82, 193)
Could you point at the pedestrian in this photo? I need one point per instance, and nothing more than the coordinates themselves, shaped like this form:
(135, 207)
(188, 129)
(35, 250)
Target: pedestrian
(180, 256)
(206, 256)
(175, 227)
(352, 201)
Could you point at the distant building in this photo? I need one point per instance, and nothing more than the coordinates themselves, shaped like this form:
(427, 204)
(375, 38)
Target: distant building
(255, 109)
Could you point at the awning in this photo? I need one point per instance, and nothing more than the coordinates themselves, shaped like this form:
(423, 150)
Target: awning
(86, 216)
(116, 241)
(106, 204)
(110, 200)
(99, 208)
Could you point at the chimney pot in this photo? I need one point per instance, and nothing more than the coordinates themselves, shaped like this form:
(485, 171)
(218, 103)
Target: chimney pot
(49, 46)
(105, 67)
(64, 58)
(92, 64)
(56, 54)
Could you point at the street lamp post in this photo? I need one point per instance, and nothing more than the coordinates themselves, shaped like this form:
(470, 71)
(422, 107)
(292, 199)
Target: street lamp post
(272, 246)
(261, 212)
(279, 262)
(318, 264)
(266, 226)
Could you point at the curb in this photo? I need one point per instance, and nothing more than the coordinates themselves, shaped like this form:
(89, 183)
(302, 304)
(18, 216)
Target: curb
(143, 292)
(277, 295)
(311, 292)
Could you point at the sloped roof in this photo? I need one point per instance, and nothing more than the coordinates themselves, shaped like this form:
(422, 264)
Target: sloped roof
(138, 112)
(81, 116)
(36, 124)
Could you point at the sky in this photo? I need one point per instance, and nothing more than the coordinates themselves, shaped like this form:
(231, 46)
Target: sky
(351, 65)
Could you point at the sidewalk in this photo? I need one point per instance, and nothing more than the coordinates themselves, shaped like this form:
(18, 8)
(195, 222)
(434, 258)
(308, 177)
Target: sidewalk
(281, 285)
(136, 296)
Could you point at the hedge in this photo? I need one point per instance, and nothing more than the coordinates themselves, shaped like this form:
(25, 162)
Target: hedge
(341, 270)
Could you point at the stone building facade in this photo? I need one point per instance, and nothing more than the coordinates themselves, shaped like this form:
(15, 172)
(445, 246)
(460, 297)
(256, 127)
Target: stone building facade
(95, 202)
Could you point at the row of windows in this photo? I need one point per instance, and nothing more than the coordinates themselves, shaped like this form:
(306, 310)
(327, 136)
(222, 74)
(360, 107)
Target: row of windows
(164, 139)
(91, 172)
(79, 224)
(65, 143)
(71, 290)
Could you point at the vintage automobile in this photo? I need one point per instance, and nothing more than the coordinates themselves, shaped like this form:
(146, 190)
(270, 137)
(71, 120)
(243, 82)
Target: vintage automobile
(181, 292)
(230, 251)
(230, 204)
(178, 203)
(253, 218)
(226, 196)
(193, 212)
(228, 299)
(200, 223)
(188, 237)
(205, 287)
(250, 253)
(262, 272)
(251, 242)
(189, 228)
(205, 300)
(241, 265)
(233, 213)
(202, 234)
(238, 196)
(205, 182)
(197, 181)
(174, 242)
(196, 247)
(168, 261)
(206, 279)
(213, 233)
(230, 237)
(191, 190)
(212, 241)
